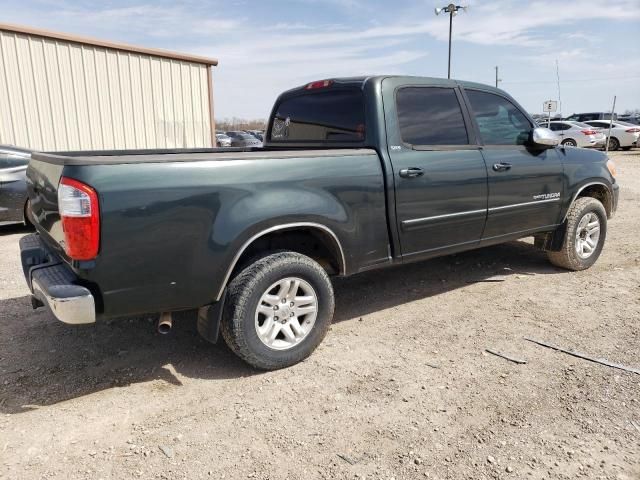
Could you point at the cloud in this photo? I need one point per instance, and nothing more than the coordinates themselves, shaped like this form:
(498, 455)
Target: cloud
(268, 47)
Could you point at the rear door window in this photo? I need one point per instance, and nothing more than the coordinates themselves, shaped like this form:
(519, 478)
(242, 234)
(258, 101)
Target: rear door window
(430, 116)
(335, 115)
(500, 121)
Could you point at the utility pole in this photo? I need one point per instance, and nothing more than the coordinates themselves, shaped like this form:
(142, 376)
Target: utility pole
(497, 79)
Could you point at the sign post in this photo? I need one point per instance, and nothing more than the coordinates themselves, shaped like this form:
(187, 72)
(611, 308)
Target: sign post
(550, 106)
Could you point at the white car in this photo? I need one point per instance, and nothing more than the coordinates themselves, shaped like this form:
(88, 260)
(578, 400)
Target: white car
(623, 134)
(576, 134)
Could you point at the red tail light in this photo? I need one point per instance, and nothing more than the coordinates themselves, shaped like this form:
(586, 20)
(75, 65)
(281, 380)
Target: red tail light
(319, 84)
(589, 132)
(633, 130)
(80, 213)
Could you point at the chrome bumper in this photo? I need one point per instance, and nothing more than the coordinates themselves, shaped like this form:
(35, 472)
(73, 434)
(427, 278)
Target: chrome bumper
(53, 284)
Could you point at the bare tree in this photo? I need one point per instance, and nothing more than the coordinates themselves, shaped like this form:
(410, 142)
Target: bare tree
(235, 123)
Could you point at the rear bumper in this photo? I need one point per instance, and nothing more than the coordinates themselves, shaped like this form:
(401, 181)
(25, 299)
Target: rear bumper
(53, 284)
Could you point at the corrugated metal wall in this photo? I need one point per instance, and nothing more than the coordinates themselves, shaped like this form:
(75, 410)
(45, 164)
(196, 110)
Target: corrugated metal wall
(57, 95)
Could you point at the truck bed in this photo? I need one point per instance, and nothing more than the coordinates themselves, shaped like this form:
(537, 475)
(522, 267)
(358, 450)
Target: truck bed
(172, 221)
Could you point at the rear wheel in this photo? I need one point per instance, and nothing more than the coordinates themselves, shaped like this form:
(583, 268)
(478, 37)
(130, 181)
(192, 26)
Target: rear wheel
(569, 142)
(614, 144)
(278, 310)
(585, 233)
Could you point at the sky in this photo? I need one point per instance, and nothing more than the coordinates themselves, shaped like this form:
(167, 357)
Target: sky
(266, 47)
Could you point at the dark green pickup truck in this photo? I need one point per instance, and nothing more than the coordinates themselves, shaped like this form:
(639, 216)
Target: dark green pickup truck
(355, 174)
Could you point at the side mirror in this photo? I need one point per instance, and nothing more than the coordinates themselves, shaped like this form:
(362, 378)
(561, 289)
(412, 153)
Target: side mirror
(545, 138)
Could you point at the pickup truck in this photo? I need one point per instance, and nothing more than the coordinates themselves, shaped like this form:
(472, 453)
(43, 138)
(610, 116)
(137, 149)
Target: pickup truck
(355, 174)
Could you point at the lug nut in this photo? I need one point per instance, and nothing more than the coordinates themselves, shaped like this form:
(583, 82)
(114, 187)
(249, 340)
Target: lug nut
(284, 300)
(276, 318)
(292, 304)
(275, 307)
(291, 314)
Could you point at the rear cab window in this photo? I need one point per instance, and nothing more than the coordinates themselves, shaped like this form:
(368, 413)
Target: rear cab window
(331, 115)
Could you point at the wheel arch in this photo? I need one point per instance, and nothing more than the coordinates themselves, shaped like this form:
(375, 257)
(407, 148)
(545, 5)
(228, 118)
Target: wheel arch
(595, 189)
(322, 244)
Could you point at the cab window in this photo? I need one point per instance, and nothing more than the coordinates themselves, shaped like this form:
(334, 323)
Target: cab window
(430, 116)
(500, 121)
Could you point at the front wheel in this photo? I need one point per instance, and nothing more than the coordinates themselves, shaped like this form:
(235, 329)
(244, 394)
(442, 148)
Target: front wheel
(614, 144)
(569, 142)
(586, 231)
(278, 310)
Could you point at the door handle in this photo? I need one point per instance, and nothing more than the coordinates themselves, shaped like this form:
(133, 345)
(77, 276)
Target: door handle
(412, 172)
(501, 167)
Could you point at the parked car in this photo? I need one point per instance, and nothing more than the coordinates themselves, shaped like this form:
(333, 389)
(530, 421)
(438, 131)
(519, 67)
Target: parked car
(623, 135)
(576, 134)
(633, 119)
(14, 202)
(257, 133)
(243, 139)
(584, 117)
(223, 140)
(357, 174)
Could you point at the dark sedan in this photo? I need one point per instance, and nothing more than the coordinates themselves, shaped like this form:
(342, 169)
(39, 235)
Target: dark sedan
(13, 188)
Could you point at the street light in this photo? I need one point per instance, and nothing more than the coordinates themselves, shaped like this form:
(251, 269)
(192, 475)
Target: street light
(452, 10)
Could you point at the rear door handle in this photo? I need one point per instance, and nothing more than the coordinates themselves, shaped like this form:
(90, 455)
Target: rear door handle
(412, 172)
(501, 167)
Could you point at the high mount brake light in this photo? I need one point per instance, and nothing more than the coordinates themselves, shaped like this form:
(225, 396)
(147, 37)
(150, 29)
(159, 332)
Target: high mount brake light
(319, 84)
(80, 214)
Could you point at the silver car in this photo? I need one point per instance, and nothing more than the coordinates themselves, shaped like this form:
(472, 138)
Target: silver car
(243, 139)
(576, 134)
(223, 140)
(14, 203)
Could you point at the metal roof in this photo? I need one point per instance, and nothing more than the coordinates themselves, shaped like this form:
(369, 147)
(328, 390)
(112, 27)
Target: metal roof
(155, 52)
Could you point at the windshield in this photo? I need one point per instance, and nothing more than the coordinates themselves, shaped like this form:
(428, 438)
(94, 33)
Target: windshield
(325, 116)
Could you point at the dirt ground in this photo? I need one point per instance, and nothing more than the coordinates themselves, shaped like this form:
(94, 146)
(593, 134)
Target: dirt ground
(400, 388)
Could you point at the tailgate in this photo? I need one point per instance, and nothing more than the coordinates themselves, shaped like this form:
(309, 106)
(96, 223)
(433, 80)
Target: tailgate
(43, 177)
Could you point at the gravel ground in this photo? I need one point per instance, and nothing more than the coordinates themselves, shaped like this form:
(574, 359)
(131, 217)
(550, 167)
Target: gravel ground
(400, 388)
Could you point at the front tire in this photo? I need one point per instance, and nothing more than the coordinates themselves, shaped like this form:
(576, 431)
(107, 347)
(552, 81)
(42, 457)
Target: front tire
(614, 144)
(569, 142)
(585, 234)
(278, 310)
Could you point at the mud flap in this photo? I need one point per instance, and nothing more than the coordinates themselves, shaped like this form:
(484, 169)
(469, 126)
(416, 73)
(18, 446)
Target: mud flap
(209, 318)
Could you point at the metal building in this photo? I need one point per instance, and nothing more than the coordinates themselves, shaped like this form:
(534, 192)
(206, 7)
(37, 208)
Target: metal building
(62, 92)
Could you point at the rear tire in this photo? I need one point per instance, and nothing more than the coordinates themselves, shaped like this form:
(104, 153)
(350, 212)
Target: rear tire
(569, 142)
(269, 320)
(614, 144)
(585, 234)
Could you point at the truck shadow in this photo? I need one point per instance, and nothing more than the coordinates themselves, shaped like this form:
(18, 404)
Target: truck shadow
(44, 362)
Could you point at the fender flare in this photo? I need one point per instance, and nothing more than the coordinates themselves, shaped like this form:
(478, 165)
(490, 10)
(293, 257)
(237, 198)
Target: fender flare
(285, 226)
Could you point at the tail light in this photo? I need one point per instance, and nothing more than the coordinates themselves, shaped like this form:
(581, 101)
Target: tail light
(319, 84)
(589, 132)
(80, 213)
(633, 130)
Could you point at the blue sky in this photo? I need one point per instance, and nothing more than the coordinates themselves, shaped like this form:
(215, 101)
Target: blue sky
(265, 47)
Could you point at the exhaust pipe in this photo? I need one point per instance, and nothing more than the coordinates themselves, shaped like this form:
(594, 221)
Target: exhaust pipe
(165, 322)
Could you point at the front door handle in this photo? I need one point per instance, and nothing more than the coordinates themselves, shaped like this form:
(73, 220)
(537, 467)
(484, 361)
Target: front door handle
(412, 172)
(501, 167)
